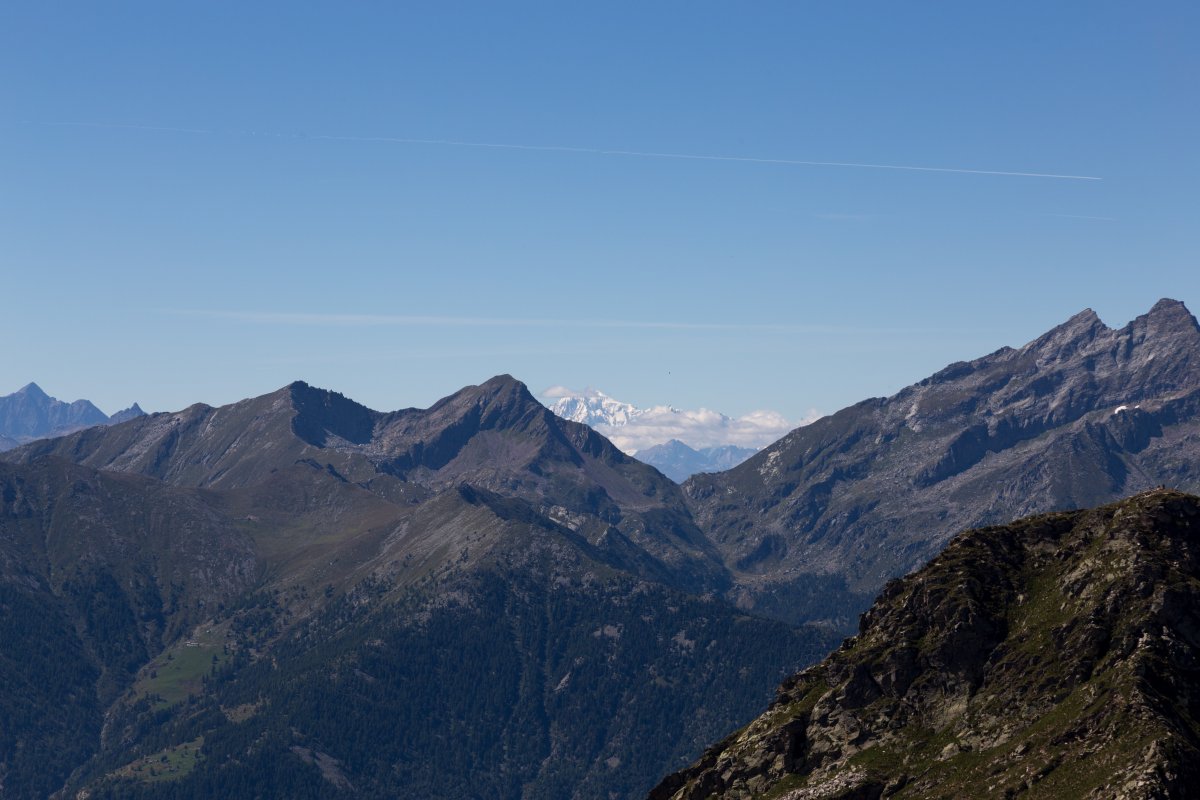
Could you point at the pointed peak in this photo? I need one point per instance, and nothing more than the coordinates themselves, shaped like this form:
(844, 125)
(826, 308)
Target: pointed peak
(1086, 317)
(503, 386)
(33, 390)
(126, 414)
(500, 402)
(1167, 305)
(1070, 335)
(1171, 313)
(505, 380)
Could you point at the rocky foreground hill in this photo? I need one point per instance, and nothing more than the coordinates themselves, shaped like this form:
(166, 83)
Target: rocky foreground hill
(1055, 657)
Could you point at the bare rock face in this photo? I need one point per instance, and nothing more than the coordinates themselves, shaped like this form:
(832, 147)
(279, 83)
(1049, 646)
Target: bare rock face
(1056, 657)
(1080, 416)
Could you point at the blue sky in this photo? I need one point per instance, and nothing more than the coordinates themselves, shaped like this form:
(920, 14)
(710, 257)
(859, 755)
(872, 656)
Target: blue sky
(200, 201)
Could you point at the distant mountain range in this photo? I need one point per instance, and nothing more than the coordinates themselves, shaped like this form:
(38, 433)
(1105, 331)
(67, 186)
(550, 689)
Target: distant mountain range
(679, 462)
(1055, 657)
(30, 413)
(294, 595)
(637, 431)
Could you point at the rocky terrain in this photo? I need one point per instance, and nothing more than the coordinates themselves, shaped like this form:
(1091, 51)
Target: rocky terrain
(1056, 657)
(814, 525)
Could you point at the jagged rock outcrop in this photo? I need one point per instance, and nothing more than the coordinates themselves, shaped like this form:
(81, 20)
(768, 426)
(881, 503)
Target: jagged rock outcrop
(1056, 657)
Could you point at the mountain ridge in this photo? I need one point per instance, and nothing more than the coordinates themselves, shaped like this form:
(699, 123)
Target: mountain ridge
(1081, 415)
(495, 436)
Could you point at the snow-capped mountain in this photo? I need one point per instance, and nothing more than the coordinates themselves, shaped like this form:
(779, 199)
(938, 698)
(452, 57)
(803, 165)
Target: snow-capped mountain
(634, 429)
(591, 407)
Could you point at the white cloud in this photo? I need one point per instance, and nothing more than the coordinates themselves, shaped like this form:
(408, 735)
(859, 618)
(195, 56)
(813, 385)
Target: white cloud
(322, 319)
(633, 429)
(558, 148)
(558, 392)
(699, 429)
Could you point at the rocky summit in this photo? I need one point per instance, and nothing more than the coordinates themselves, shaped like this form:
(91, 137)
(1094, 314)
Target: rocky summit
(1055, 657)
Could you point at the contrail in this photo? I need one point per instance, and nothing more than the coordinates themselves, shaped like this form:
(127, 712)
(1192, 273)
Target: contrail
(360, 320)
(1083, 216)
(399, 320)
(546, 148)
(697, 157)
